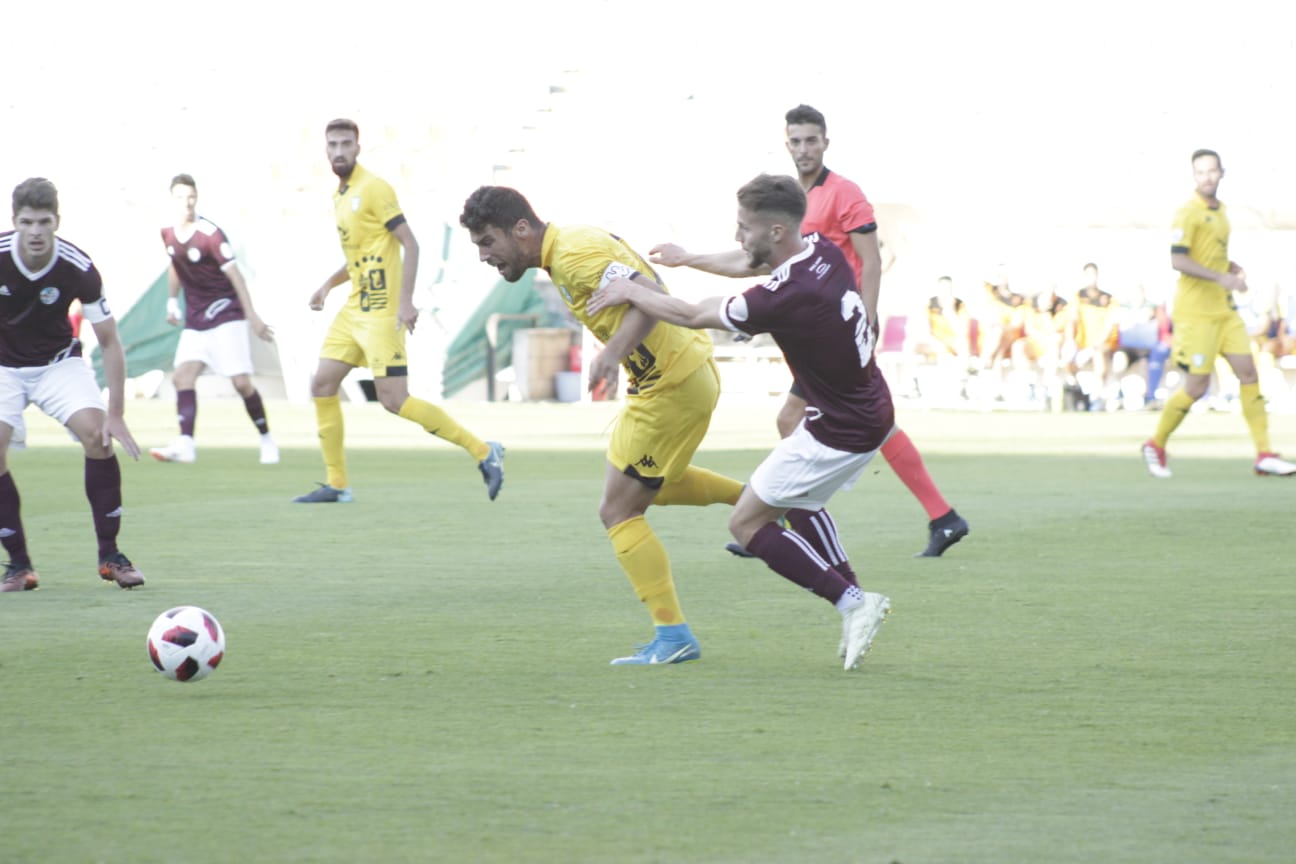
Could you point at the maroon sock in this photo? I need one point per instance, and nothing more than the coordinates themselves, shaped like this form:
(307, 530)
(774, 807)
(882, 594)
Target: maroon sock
(256, 411)
(11, 530)
(820, 531)
(790, 556)
(103, 491)
(187, 410)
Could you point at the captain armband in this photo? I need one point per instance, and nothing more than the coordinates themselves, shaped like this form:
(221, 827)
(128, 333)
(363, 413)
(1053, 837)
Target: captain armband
(96, 312)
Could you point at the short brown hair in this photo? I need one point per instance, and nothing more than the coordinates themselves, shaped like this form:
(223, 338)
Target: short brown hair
(36, 193)
(774, 193)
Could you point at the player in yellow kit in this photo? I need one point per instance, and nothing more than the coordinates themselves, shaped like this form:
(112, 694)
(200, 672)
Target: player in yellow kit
(370, 329)
(673, 388)
(1207, 323)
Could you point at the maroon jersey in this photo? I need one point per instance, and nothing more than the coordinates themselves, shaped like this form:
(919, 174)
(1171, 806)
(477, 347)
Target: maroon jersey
(200, 260)
(34, 325)
(812, 307)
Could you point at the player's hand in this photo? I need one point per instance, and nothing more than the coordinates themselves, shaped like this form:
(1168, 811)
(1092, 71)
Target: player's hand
(115, 427)
(602, 371)
(407, 317)
(668, 255)
(317, 299)
(263, 330)
(615, 293)
(173, 312)
(1233, 281)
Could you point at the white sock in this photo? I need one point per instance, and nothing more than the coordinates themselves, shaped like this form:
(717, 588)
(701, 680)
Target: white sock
(849, 600)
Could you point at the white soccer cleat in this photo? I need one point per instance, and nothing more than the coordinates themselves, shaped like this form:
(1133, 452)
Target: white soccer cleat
(1269, 465)
(861, 624)
(269, 451)
(1155, 459)
(180, 450)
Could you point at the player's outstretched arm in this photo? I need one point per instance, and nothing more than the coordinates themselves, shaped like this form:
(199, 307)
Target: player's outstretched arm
(321, 293)
(663, 307)
(732, 263)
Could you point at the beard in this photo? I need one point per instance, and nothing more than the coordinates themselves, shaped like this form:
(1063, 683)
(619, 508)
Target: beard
(342, 169)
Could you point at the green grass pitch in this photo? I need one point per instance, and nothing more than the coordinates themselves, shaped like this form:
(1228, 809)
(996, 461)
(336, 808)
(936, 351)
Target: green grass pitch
(1102, 671)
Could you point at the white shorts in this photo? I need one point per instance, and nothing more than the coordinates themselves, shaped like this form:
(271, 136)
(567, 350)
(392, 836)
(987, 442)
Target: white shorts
(60, 390)
(225, 349)
(800, 472)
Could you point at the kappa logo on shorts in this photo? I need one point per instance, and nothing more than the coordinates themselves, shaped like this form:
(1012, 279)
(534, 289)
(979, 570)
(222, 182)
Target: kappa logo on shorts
(646, 462)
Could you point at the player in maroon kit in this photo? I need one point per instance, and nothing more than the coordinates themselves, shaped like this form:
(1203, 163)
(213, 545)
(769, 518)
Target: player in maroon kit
(217, 316)
(837, 210)
(40, 363)
(812, 307)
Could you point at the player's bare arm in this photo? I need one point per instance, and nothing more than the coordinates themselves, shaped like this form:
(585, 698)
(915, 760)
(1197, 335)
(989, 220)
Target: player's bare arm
(870, 255)
(658, 305)
(732, 262)
(114, 361)
(321, 293)
(407, 315)
(635, 327)
(263, 330)
(173, 296)
(1234, 280)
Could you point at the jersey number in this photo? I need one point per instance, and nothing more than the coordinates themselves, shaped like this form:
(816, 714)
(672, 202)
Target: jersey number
(852, 304)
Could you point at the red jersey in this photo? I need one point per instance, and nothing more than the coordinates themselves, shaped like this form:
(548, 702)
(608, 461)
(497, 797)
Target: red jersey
(200, 260)
(812, 307)
(836, 208)
(34, 325)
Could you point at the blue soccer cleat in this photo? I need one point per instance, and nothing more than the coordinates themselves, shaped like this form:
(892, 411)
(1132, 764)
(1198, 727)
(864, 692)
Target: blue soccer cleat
(662, 651)
(492, 468)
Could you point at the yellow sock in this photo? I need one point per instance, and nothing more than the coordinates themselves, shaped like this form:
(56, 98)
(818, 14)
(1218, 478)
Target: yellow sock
(699, 487)
(1257, 418)
(328, 417)
(442, 425)
(644, 560)
(1174, 412)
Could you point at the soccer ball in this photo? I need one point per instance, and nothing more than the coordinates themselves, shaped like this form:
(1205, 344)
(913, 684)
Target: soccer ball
(186, 643)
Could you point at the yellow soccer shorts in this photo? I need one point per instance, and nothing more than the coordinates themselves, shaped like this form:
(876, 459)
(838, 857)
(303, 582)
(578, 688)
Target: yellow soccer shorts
(658, 431)
(1199, 341)
(363, 339)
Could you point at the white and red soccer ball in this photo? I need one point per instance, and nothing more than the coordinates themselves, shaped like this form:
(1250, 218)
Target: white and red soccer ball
(186, 643)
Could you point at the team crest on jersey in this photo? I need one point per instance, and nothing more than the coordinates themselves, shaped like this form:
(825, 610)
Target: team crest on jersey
(566, 295)
(355, 204)
(193, 254)
(49, 295)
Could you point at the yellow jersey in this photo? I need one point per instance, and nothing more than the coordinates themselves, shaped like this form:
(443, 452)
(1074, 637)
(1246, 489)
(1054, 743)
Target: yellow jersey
(1202, 233)
(580, 259)
(367, 212)
(1095, 318)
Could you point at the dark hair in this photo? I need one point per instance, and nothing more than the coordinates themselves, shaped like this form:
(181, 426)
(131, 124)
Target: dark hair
(805, 114)
(1197, 154)
(497, 206)
(183, 180)
(774, 193)
(343, 125)
(1090, 264)
(944, 279)
(36, 193)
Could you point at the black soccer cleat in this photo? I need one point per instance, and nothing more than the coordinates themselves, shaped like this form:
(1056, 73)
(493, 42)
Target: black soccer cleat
(945, 532)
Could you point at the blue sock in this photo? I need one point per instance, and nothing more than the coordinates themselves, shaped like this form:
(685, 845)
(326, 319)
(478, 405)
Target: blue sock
(674, 632)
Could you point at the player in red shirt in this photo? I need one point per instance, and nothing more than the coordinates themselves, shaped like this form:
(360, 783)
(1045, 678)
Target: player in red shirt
(838, 210)
(812, 306)
(40, 363)
(217, 316)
